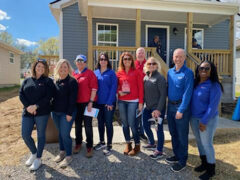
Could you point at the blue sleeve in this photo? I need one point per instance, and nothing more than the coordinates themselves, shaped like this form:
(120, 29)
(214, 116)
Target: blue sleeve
(215, 95)
(188, 89)
(112, 95)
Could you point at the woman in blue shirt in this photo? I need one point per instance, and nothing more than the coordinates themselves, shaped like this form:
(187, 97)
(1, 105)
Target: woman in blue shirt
(204, 106)
(107, 88)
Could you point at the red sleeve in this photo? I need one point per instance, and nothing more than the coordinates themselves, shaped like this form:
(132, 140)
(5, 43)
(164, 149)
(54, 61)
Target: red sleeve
(93, 80)
(140, 86)
(118, 81)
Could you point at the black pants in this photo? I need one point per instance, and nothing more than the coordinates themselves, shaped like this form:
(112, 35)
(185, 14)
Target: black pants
(80, 118)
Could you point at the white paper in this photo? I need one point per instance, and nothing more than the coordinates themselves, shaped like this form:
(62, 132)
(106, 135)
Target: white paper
(92, 113)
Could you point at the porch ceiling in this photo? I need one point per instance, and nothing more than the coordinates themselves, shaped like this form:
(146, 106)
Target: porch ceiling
(205, 12)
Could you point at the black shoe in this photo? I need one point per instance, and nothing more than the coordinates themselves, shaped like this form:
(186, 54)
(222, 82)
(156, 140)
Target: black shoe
(177, 167)
(171, 160)
(99, 146)
(209, 173)
(143, 137)
(203, 166)
(107, 151)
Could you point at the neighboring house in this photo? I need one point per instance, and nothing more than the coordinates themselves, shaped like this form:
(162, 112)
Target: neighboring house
(91, 26)
(238, 63)
(9, 65)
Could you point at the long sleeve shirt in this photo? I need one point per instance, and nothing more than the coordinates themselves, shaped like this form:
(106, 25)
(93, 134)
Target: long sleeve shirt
(139, 66)
(107, 86)
(65, 96)
(87, 81)
(205, 100)
(37, 92)
(155, 91)
(180, 86)
(134, 79)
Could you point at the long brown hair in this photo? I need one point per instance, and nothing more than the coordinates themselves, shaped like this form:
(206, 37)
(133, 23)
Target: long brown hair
(46, 67)
(121, 65)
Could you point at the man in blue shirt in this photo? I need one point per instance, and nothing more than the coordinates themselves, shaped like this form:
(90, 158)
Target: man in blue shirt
(180, 87)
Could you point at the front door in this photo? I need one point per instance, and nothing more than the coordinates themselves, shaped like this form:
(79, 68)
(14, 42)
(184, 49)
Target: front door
(162, 34)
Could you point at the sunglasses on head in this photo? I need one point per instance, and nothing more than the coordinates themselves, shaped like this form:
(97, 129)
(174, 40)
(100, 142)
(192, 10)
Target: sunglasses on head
(149, 64)
(127, 59)
(41, 60)
(103, 59)
(204, 68)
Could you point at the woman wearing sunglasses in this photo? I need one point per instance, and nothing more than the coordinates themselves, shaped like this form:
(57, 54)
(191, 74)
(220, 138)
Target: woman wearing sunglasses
(130, 98)
(35, 95)
(106, 103)
(204, 106)
(155, 91)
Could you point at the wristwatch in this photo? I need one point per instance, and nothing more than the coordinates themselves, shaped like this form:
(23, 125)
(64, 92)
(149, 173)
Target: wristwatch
(91, 101)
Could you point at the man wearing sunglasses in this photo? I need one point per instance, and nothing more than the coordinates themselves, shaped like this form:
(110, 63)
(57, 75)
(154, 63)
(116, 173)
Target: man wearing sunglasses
(180, 87)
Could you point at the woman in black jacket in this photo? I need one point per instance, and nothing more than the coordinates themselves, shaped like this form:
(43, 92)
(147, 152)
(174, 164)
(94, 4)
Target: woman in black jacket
(35, 95)
(64, 109)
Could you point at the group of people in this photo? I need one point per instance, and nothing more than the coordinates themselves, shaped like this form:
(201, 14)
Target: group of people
(140, 89)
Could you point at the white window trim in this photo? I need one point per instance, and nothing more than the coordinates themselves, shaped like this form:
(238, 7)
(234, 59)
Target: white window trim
(168, 38)
(185, 37)
(109, 42)
(10, 57)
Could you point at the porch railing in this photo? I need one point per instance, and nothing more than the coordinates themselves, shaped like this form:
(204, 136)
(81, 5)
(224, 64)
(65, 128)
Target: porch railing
(221, 59)
(114, 53)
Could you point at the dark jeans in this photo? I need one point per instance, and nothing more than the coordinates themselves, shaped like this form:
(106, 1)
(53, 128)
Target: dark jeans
(147, 114)
(80, 118)
(127, 112)
(64, 128)
(179, 129)
(105, 117)
(27, 128)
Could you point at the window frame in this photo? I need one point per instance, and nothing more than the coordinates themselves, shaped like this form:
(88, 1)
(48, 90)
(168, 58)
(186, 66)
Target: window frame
(185, 37)
(13, 58)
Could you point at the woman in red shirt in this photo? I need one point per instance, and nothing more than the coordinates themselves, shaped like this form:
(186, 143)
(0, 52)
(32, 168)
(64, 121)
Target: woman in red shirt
(130, 98)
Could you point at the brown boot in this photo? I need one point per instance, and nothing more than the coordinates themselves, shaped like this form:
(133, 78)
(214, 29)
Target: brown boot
(134, 151)
(128, 148)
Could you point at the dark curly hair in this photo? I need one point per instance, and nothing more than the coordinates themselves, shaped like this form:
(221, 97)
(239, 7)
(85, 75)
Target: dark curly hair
(213, 74)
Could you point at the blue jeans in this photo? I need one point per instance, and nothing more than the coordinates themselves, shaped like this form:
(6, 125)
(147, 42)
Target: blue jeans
(147, 114)
(64, 128)
(127, 112)
(179, 129)
(105, 117)
(205, 139)
(27, 128)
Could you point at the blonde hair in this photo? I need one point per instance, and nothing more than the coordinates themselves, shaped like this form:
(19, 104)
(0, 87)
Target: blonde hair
(58, 65)
(145, 68)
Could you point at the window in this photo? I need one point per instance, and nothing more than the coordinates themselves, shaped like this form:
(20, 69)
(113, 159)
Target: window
(198, 34)
(107, 35)
(11, 57)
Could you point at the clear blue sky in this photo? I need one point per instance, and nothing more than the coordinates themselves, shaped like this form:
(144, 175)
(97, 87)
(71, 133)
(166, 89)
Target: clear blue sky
(28, 19)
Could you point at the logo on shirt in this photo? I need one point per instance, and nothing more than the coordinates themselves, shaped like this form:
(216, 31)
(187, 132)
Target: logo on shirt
(180, 77)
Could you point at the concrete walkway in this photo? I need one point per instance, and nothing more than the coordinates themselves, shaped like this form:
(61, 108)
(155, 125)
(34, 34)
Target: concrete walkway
(119, 138)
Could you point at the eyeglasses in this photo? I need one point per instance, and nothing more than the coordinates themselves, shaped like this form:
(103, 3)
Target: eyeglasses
(102, 59)
(127, 59)
(204, 68)
(149, 64)
(80, 60)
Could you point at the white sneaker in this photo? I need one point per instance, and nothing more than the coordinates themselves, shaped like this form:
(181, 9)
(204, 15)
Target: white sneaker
(36, 164)
(31, 159)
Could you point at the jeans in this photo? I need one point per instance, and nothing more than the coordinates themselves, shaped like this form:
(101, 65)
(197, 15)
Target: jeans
(64, 128)
(179, 129)
(27, 128)
(87, 124)
(147, 114)
(205, 139)
(105, 117)
(127, 112)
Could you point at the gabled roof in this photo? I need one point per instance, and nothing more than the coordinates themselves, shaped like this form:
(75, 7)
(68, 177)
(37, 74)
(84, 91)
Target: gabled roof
(54, 2)
(10, 48)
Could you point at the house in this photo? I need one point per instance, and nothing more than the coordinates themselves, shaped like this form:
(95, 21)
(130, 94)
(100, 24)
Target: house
(9, 65)
(238, 64)
(91, 26)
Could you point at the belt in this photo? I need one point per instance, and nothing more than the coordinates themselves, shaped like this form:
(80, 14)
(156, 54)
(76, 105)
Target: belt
(175, 102)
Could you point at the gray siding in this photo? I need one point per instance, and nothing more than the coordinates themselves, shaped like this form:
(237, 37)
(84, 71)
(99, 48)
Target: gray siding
(75, 33)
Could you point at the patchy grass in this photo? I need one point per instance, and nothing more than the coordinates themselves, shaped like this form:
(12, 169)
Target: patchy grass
(237, 94)
(5, 89)
(226, 144)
